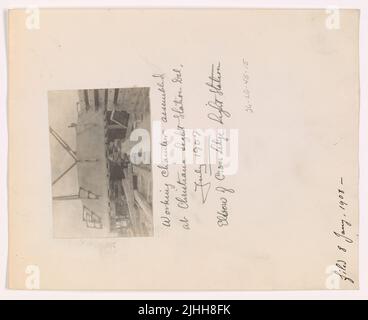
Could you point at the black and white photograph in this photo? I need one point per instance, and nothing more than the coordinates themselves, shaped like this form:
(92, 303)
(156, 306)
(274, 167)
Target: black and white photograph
(97, 190)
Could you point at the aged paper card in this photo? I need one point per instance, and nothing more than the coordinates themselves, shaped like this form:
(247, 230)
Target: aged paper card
(183, 149)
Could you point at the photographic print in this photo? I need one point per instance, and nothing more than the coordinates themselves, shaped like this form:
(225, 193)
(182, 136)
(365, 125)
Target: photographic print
(97, 191)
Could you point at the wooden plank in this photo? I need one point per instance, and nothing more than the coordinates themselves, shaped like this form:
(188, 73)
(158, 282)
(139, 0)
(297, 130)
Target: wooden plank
(91, 98)
(101, 97)
(82, 101)
(120, 97)
(110, 99)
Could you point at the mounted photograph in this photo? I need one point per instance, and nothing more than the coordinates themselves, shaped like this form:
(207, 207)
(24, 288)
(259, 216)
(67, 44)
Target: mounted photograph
(101, 176)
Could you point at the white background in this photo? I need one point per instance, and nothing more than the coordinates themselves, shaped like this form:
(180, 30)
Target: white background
(164, 295)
